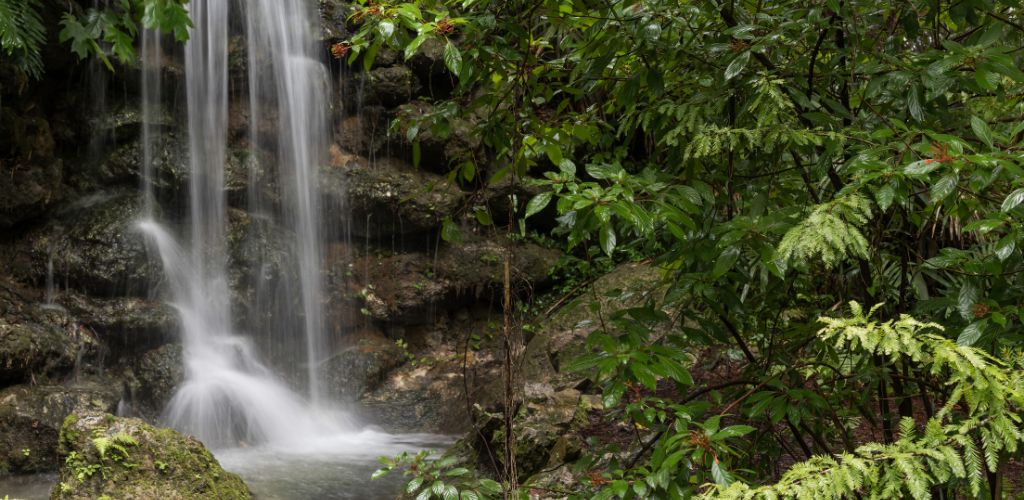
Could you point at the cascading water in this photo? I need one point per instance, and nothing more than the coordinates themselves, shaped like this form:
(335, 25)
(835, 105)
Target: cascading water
(287, 81)
(229, 396)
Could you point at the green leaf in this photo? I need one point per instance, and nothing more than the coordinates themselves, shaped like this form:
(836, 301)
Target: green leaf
(453, 58)
(538, 203)
(450, 231)
(732, 431)
(736, 66)
(966, 299)
(490, 486)
(414, 45)
(969, 335)
(914, 104)
(413, 485)
(885, 196)
(943, 188)
(620, 487)
(1013, 199)
(607, 239)
(921, 167)
(1006, 246)
(725, 261)
(719, 474)
(437, 488)
(981, 131)
(554, 153)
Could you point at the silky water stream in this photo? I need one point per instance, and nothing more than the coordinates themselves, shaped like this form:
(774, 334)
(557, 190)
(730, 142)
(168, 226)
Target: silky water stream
(280, 431)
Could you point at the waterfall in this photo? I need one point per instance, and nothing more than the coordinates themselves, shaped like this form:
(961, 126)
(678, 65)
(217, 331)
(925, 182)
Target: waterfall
(229, 395)
(283, 70)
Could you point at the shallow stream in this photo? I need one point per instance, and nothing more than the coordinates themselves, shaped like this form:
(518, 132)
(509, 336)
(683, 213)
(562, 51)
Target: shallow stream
(332, 468)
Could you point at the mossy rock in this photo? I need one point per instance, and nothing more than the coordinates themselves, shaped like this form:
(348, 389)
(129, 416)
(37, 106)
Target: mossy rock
(95, 247)
(388, 197)
(31, 417)
(126, 458)
(36, 342)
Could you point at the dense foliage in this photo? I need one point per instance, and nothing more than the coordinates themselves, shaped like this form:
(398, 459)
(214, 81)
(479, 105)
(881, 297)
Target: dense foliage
(780, 159)
(102, 32)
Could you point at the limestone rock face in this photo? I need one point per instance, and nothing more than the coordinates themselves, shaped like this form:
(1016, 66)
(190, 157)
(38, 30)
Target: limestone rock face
(388, 196)
(36, 342)
(31, 416)
(126, 458)
(94, 246)
(157, 374)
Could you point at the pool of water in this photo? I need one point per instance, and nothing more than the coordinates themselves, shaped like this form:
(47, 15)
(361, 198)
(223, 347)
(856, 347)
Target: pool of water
(332, 468)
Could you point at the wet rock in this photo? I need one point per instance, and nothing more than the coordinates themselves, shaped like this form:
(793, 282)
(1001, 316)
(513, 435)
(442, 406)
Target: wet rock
(27, 190)
(411, 288)
(361, 366)
(36, 342)
(363, 134)
(95, 247)
(158, 373)
(126, 458)
(563, 335)
(126, 325)
(441, 150)
(391, 86)
(31, 416)
(388, 196)
(30, 176)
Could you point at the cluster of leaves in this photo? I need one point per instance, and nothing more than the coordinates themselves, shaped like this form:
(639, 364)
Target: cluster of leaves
(100, 32)
(777, 158)
(441, 479)
(984, 406)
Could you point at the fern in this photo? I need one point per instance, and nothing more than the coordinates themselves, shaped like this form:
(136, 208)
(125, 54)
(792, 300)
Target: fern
(830, 233)
(22, 34)
(946, 453)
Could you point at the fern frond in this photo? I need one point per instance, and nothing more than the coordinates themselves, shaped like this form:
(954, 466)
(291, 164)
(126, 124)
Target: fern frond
(22, 34)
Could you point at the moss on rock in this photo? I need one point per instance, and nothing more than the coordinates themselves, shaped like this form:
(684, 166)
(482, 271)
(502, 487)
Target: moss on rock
(126, 458)
(31, 418)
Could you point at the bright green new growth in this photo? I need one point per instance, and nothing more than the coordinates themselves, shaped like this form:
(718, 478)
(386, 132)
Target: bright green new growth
(830, 233)
(946, 454)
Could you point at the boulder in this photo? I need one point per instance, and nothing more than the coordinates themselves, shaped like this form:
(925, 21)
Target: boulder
(126, 458)
(158, 373)
(388, 197)
(31, 416)
(440, 150)
(361, 366)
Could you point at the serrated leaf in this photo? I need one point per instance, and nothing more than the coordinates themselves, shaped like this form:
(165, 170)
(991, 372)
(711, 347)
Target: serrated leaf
(736, 66)
(719, 474)
(966, 299)
(1013, 199)
(981, 130)
(914, 104)
(969, 335)
(1006, 246)
(943, 188)
(921, 167)
(885, 196)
